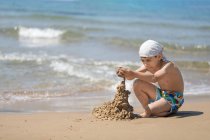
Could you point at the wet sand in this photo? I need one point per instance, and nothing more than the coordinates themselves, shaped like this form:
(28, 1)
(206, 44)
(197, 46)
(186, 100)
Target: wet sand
(190, 123)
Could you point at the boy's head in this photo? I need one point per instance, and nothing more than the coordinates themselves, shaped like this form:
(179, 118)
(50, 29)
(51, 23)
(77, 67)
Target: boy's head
(150, 48)
(150, 53)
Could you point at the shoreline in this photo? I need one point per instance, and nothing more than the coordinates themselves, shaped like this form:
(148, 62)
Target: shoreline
(80, 108)
(191, 122)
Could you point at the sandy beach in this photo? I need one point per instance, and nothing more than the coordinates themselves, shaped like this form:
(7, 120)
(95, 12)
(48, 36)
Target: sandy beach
(58, 61)
(190, 123)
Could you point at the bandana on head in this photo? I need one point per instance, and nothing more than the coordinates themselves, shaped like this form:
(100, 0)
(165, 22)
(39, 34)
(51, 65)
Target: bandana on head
(151, 48)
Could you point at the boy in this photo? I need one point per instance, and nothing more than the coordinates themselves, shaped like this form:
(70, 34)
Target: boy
(158, 101)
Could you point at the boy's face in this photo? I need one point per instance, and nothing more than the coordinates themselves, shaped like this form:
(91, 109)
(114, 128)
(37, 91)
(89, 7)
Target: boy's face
(151, 62)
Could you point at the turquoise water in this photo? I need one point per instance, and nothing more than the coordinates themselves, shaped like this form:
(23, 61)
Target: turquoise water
(183, 22)
(59, 54)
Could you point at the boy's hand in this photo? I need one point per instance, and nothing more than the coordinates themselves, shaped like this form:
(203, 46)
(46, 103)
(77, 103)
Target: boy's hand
(118, 72)
(125, 72)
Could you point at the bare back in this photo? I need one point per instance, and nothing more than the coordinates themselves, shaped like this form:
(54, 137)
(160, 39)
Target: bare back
(169, 78)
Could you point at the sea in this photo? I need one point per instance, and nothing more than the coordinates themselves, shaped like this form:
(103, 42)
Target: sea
(61, 55)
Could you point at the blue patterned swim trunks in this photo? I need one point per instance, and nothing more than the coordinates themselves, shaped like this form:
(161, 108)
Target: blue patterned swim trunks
(175, 99)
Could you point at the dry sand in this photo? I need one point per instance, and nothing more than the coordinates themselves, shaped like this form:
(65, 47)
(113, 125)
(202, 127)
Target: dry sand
(192, 122)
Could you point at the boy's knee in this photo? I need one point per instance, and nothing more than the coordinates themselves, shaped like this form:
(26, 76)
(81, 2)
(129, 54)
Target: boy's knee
(137, 84)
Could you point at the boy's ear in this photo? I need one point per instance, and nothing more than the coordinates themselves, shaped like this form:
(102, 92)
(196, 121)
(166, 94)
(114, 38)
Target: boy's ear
(160, 56)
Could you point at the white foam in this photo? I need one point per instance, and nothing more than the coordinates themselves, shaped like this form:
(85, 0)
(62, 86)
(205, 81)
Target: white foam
(39, 42)
(37, 37)
(96, 71)
(25, 57)
(101, 74)
(39, 33)
(64, 67)
(197, 90)
(11, 98)
(21, 57)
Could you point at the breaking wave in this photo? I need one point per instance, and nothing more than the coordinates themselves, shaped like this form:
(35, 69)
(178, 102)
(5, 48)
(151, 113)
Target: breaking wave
(39, 33)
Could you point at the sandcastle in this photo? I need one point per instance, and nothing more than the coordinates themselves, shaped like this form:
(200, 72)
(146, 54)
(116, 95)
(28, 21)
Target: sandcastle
(118, 109)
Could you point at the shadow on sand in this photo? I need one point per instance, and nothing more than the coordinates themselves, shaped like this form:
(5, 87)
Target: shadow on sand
(183, 114)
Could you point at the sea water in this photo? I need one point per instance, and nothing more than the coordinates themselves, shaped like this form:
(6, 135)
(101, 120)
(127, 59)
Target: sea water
(61, 55)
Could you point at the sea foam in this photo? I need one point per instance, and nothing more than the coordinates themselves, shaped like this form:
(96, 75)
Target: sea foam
(39, 37)
(39, 33)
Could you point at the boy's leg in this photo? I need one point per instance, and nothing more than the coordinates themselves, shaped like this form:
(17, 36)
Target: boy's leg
(144, 91)
(160, 108)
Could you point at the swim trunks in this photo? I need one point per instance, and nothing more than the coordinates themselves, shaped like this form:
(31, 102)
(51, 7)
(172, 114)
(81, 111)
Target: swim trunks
(175, 99)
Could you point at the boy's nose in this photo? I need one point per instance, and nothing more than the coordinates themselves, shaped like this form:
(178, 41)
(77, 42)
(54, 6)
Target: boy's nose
(146, 64)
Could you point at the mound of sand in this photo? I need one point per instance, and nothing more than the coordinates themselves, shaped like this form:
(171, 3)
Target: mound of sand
(118, 109)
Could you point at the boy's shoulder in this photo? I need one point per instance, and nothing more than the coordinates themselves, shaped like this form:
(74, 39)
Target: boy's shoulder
(169, 66)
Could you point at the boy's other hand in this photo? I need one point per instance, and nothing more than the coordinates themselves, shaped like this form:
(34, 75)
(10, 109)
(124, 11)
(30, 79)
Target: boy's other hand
(125, 72)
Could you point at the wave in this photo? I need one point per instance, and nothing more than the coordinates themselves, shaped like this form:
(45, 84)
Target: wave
(63, 63)
(31, 32)
(194, 65)
(168, 24)
(42, 37)
(38, 16)
(25, 95)
(16, 57)
(96, 76)
(39, 33)
(167, 46)
(187, 48)
(64, 67)
(10, 32)
(80, 75)
(69, 65)
(37, 36)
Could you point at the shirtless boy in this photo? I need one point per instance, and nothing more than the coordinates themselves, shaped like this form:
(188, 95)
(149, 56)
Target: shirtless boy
(167, 97)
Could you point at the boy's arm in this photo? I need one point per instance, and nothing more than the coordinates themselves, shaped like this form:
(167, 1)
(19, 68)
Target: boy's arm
(141, 69)
(146, 75)
(150, 77)
(130, 74)
(128, 70)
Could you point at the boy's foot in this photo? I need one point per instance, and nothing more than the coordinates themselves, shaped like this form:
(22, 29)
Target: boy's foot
(145, 115)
